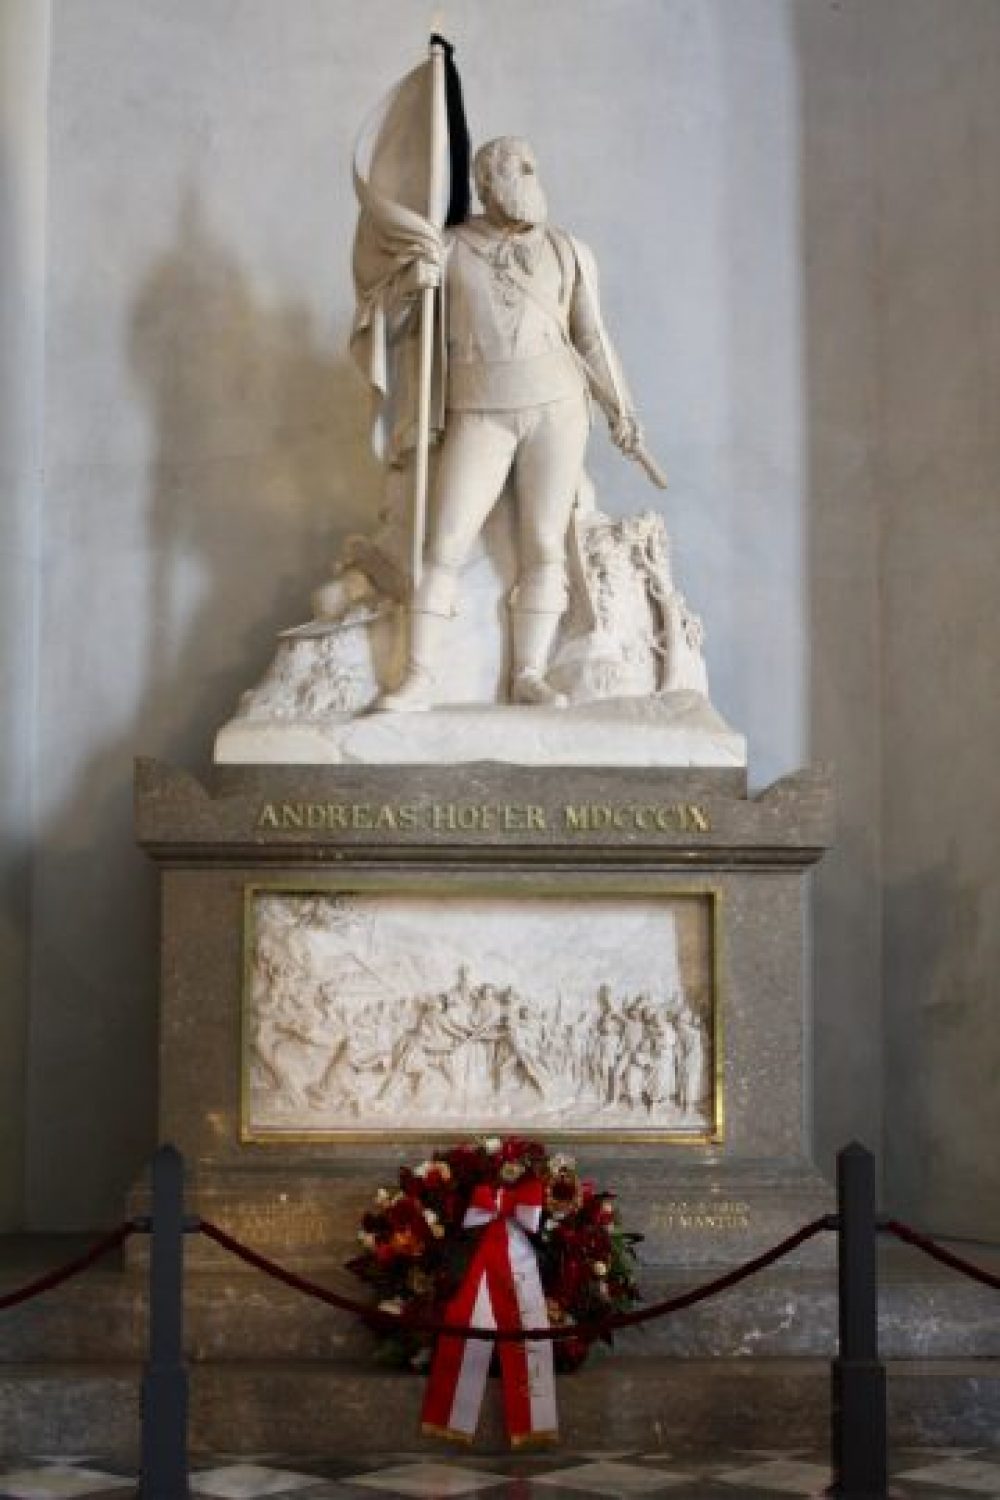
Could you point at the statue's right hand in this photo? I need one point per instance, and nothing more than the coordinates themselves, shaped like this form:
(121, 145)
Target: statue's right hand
(421, 276)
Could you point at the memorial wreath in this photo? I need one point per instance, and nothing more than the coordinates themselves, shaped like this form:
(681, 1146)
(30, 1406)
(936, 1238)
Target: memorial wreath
(495, 1234)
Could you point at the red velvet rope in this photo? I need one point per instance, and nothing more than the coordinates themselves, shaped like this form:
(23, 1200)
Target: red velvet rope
(72, 1268)
(387, 1320)
(938, 1252)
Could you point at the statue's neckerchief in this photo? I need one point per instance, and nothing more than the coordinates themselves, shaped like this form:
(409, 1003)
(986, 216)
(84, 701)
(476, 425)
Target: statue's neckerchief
(504, 248)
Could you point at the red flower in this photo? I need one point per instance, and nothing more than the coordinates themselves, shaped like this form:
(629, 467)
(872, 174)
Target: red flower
(514, 1148)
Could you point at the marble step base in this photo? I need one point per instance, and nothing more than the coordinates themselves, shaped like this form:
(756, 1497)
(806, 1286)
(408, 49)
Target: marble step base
(314, 1408)
(925, 1313)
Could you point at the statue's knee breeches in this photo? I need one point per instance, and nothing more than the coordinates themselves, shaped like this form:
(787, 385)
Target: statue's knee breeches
(544, 546)
(475, 460)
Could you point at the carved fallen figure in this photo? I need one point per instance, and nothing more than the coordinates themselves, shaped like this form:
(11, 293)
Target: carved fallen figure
(492, 577)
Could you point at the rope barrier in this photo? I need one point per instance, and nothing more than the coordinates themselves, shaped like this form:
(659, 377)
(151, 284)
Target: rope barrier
(938, 1252)
(730, 1279)
(379, 1318)
(72, 1268)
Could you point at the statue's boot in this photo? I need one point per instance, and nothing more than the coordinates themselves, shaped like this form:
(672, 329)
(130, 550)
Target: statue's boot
(418, 689)
(533, 634)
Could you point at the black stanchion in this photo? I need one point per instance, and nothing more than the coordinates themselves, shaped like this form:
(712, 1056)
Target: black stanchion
(164, 1467)
(858, 1378)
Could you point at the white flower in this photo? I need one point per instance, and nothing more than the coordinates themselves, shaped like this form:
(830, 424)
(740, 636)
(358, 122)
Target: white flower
(599, 1268)
(383, 1196)
(366, 1239)
(424, 1168)
(561, 1163)
(492, 1144)
(430, 1216)
(437, 1230)
(391, 1305)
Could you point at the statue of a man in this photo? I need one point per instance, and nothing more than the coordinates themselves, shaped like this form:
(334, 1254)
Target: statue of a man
(525, 353)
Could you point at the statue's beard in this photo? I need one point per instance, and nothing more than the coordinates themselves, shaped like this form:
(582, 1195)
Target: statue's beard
(521, 199)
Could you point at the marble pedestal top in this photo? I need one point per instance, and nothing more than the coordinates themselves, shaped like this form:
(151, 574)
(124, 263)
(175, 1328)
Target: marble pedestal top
(668, 730)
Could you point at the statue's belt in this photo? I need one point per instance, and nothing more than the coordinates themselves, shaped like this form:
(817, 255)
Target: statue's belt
(513, 384)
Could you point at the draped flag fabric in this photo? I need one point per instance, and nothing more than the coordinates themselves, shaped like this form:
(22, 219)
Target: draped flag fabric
(411, 177)
(502, 1289)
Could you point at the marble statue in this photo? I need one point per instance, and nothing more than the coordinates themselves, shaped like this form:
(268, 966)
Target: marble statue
(519, 590)
(525, 349)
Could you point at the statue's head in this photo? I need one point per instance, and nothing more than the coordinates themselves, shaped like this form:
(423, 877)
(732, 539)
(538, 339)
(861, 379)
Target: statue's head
(506, 177)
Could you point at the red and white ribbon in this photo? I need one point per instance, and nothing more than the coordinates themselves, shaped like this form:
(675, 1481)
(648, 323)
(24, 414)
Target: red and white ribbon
(502, 1289)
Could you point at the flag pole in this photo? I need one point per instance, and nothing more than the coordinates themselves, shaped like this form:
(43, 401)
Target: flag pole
(435, 191)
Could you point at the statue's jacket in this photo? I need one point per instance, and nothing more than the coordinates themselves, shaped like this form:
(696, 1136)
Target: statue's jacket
(518, 325)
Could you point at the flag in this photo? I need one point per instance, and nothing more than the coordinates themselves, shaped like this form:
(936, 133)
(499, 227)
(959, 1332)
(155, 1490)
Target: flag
(411, 177)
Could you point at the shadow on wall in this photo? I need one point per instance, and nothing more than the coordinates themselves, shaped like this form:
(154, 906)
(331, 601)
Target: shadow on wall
(260, 465)
(260, 462)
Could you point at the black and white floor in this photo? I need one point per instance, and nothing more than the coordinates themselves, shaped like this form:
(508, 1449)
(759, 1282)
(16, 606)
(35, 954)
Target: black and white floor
(915, 1472)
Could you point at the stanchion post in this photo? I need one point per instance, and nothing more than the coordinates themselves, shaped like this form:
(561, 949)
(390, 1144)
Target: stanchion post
(164, 1464)
(858, 1431)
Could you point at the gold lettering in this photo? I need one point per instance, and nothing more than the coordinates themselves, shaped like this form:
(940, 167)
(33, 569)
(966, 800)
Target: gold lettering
(361, 815)
(408, 818)
(385, 818)
(336, 816)
(315, 815)
(576, 819)
(268, 817)
(468, 819)
(699, 818)
(701, 1215)
(665, 818)
(443, 816)
(536, 818)
(293, 815)
(513, 818)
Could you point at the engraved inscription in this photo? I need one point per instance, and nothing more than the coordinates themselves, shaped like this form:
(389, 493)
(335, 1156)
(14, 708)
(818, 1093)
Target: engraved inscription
(497, 819)
(701, 1214)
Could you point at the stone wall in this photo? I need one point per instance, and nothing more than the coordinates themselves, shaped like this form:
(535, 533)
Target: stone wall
(939, 482)
(23, 70)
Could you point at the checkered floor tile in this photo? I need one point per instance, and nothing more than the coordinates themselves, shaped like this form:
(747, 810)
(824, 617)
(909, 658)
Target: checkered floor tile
(916, 1474)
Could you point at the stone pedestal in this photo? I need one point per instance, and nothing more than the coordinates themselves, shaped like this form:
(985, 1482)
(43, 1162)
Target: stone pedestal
(701, 1197)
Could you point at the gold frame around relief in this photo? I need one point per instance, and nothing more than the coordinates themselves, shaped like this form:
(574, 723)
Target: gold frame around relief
(504, 885)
